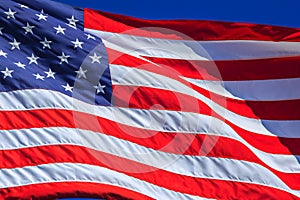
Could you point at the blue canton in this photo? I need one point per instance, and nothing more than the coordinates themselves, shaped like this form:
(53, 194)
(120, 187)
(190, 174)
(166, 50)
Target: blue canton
(43, 46)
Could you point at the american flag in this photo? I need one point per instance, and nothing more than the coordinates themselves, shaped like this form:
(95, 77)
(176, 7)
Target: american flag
(95, 104)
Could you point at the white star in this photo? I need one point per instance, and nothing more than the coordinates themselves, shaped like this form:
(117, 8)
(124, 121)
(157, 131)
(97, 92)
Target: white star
(2, 53)
(33, 59)
(81, 73)
(38, 76)
(90, 37)
(7, 73)
(28, 28)
(50, 74)
(21, 65)
(10, 14)
(15, 44)
(72, 22)
(42, 16)
(67, 87)
(95, 58)
(23, 6)
(77, 43)
(46, 43)
(63, 58)
(1, 28)
(99, 88)
(59, 29)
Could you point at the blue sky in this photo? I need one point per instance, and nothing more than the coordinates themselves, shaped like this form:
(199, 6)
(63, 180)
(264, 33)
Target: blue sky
(271, 12)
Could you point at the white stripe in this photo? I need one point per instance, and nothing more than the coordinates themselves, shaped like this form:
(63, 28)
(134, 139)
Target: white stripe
(164, 121)
(70, 172)
(122, 75)
(194, 166)
(196, 50)
(38, 98)
(261, 90)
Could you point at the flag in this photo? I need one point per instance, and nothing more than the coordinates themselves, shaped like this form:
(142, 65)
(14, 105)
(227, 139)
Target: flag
(95, 104)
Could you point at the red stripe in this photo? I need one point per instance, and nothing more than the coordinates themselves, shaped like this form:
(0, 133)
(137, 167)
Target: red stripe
(196, 186)
(232, 70)
(128, 96)
(70, 190)
(268, 110)
(188, 29)
(157, 99)
(188, 144)
(152, 139)
(133, 97)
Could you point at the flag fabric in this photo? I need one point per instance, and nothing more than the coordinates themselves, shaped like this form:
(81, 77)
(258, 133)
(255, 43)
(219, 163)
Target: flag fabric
(94, 104)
